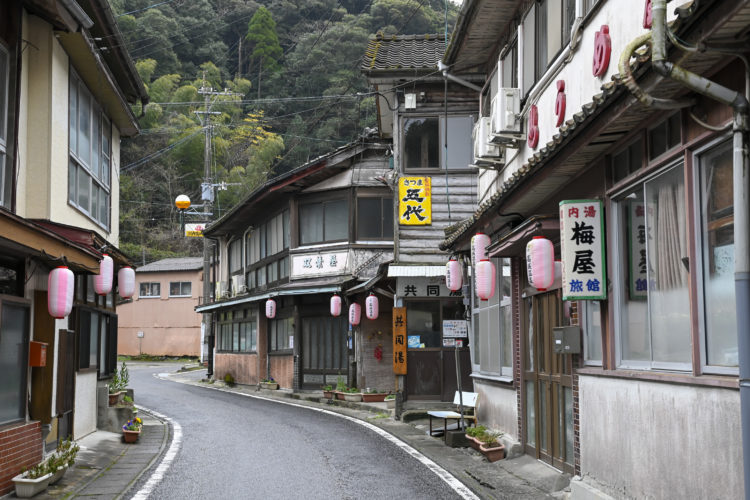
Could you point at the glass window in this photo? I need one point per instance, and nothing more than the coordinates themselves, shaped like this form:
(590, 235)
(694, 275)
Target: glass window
(421, 143)
(149, 290)
(5, 176)
(180, 289)
(654, 324)
(14, 339)
(235, 256)
(459, 141)
(717, 231)
(590, 313)
(423, 321)
(664, 136)
(89, 144)
(627, 161)
(324, 221)
(375, 218)
(492, 348)
(510, 66)
(281, 333)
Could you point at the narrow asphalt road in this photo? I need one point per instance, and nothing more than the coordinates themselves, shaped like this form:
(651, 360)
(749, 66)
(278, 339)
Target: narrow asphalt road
(236, 447)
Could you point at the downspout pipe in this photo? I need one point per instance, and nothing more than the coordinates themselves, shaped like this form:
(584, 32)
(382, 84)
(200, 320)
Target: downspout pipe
(741, 194)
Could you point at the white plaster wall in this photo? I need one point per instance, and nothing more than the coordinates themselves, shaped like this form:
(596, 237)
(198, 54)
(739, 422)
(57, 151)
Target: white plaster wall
(497, 408)
(644, 440)
(84, 418)
(625, 21)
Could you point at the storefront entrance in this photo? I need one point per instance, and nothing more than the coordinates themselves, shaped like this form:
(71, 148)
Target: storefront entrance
(324, 350)
(548, 385)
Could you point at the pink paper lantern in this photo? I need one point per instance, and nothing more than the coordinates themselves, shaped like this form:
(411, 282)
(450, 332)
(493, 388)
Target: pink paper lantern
(453, 275)
(103, 280)
(479, 244)
(372, 306)
(540, 263)
(270, 309)
(485, 279)
(336, 306)
(355, 314)
(126, 282)
(60, 286)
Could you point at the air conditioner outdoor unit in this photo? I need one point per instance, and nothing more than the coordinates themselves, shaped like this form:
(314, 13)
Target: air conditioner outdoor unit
(221, 290)
(486, 153)
(238, 285)
(506, 117)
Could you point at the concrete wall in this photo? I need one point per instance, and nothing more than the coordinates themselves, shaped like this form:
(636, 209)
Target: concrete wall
(170, 326)
(243, 367)
(372, 373)
(84, 418)
(644, 439)
(497, 407)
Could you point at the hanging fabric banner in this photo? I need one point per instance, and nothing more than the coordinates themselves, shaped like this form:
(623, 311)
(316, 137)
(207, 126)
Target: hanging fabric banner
(584, 274)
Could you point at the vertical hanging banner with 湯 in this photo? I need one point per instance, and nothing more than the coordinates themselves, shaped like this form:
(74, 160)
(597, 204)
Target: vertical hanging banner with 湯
(414, 201)
(399, 340)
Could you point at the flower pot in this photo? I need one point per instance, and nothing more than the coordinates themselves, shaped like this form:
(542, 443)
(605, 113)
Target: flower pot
(269, 385)
(58, 474)
(353, 396)
(328, 394)
(130, 436)
(340, 396)
(473, 442)
(114, 398)
(373, 397)
(27, 488)
(493, 453)
(390, 403)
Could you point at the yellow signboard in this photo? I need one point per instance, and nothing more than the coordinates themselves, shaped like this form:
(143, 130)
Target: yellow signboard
(415, 201)
(194, 230)
(399, 340)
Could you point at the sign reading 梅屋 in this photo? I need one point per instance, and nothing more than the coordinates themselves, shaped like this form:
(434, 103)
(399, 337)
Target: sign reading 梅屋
(318, 264)
(584, 273)
(414, 201)
(194, 230)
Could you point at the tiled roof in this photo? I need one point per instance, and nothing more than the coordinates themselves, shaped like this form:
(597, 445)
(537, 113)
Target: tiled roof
(174, 264)
(403, 52)
(567, 131)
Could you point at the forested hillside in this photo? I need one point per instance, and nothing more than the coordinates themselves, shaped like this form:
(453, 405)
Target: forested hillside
(288, 72)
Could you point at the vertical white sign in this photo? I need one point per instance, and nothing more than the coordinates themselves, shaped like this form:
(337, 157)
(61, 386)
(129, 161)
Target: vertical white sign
(584, 274)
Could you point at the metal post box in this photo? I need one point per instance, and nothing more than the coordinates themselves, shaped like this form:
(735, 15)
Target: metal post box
(37, 354)
(567, 339)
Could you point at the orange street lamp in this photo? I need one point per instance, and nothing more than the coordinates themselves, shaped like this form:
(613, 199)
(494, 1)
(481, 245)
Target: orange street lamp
(182, 202)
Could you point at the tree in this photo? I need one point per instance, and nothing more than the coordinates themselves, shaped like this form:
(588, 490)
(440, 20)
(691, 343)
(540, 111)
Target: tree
(266, 51)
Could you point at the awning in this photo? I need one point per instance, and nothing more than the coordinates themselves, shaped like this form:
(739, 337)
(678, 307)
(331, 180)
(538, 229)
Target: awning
(87, 239)
(426, 271)
(328, 285)
(514, 243)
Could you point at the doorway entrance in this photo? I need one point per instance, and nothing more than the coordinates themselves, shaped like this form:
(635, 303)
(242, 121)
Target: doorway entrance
(547, 383)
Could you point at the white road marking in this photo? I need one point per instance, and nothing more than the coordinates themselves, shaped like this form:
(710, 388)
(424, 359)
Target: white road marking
(461, 489)
(166, 462)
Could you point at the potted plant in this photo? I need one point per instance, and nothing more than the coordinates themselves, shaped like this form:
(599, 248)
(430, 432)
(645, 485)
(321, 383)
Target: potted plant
(269, 383)
(328, 391)
(340, 388)
(490, 447)
(390, 401)
(352, 394)
(472, 435)
(32, 481)
(118, 384)
(132, 429)
(373, 396)
(63, 458)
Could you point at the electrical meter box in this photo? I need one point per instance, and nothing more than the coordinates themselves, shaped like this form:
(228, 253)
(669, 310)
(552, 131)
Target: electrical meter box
(567, 339)
(37, 354)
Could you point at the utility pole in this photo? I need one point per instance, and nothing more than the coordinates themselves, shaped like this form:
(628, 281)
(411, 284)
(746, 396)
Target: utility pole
(207, 196)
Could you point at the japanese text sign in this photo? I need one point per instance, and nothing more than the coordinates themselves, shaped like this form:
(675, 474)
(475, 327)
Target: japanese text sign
(420, 286)
(194, 230)
(319, 264)
(584, 273)
(637, 272)
(414, 201)
(455, 328)
(399, 340)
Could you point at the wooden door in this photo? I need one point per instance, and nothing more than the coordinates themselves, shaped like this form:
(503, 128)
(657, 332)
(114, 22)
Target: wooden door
(66, 380)
(547, 384)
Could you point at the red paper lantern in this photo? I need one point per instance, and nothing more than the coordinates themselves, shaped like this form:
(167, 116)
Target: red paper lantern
(60, 286)
(126, 282)
(485, 279)
(103, 280)
(336, 306)
(479, 244)
(540, 263)
(355, 314)
(270, 309)
(453, 275)
(371, 306)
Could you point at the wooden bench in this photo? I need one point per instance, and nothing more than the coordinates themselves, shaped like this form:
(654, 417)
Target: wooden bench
(470, 414)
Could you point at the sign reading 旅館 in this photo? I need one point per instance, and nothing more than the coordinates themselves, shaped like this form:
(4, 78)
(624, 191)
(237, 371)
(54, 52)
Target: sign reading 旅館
(582, 249)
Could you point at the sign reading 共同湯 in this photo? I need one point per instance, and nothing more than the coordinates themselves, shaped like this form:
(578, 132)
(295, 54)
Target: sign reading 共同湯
(399, 340)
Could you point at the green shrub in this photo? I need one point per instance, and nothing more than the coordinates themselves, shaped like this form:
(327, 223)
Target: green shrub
(229, 379)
